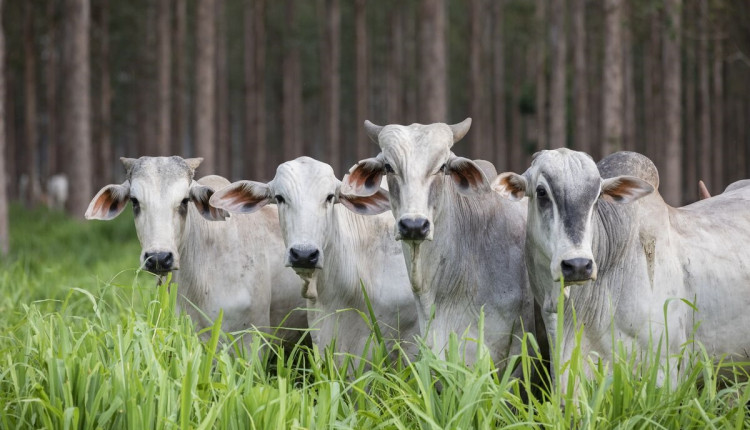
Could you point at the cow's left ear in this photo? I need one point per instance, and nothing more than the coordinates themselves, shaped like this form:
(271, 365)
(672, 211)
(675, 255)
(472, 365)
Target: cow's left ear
(468, 177)
(242, 197)
(200, 195)
(366, 205)
(510, 185)
(109, 202)
(625, 189)
(364, 177)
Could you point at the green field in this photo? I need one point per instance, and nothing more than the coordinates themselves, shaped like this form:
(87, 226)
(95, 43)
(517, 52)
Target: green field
(87, 342)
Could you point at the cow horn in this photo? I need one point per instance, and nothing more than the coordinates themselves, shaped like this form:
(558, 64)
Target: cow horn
(459, 130)
(372, 130)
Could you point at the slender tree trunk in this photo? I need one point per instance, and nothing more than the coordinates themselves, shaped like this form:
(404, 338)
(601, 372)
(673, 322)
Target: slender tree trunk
(433, 67)
(717, 110)
(629, 131)
(691, 154)
(291, 97)
(104, 161)
(11, 143)
(362, 76)
(146, 86)
(394, 82)
(613, 78)
(411, 68)
(259, 123)
(558, 33)
(652, 92)
(330, 50)
(540, 19)
(179, 124)
(51, 77)
(4, 231)
(477, 88)
(498, 85)
(223, 143)
(205, 85)
(580, 81)
(672, 177)
(30, 115)
(164, 74)
(76, 105)
(706, 148)
(251, 148)
(515, 161)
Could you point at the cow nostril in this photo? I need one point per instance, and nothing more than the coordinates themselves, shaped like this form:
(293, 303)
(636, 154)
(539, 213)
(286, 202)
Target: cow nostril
(577, 269)
(314, 256)
(414, 228)
(293, 253)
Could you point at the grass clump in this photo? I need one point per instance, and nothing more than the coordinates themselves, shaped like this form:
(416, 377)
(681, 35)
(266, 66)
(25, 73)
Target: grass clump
(87, 341)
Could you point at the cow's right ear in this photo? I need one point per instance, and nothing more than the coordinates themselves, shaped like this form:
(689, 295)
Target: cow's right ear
(510, 185)
(242, 197)
(109, 202)
(364, 177)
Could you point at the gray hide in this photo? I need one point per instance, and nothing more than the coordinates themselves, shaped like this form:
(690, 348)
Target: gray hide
(234, 265)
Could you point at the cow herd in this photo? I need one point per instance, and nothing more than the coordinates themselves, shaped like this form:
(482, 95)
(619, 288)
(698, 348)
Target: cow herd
(310, 250)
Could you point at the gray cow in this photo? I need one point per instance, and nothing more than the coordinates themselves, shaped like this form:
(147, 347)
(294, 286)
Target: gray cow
(622, 260)
(234, 265)
(463, 245)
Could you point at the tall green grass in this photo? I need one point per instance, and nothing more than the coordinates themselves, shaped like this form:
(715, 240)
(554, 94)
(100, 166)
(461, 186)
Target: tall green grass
(87, 341)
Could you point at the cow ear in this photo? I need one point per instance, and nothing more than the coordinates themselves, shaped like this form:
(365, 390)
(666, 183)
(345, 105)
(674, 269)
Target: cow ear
(242, 197)
(193, 163)
(625, 189)
(200, 195)
(364, 177)
(366, 205)
(468, 176)
(109, 202)
(510, 185)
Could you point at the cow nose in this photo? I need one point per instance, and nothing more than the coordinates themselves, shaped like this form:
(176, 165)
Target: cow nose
(304, 257)
(159, 262)
(414, 228)
(577, 269)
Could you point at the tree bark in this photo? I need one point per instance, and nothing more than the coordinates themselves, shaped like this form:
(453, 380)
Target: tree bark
(261, 164)
(104, 159)
(205, 85)
(433, 78)
(558, 34)
(30, 115)
(362, 77)
(291, 95)
(4, 230)
(395, 68)
(672, 177)
(477, 88)
(613, 78)
(516, 163)
(179, 129)
(717, 127)
(223, 143)
(164, 74)
(76, 105)
(330, 50)
(652, 92)
(629, 122)
(53, 150)
(255, 102)
(540, 19)
(690, 153)
(498, 69)
(706, 149)
(580, 81)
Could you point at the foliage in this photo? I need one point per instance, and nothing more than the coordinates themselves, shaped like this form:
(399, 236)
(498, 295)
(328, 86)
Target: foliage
(86, 343)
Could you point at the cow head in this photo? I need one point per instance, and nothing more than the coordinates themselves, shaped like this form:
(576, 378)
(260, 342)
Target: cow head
(416, 160)
(160, 189)
(306, 192)
(563, 188)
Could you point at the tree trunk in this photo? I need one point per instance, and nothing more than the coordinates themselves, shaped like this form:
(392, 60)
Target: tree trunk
(205, 85)
(261, 160)
(411, 69)
(717, 110)
(330, 54)
(53, 151)
(223, 143)
(4, 231)
(164, 74)
(672, 177)
(558, 33)
(477, 88)
(629, 131)
(690, 153)
(76, 105)
(613, 78)
(146, 85)
(652, 92)
(540, 19)
(252, 149)
(515, 154)
(362, 77)
(433, 78)
(395, 69)
(30, 115)
(706, 149)
(179, 124)
(291, 90)
(580, 81)
(104, 160)
(498, 86)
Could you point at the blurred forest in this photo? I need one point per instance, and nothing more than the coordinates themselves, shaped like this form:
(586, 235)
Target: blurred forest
(248, 84)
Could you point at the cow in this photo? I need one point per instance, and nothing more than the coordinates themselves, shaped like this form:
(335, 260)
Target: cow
(333, 247)
(57, 191)
(626, 258)
(463, 245)
(234, 265)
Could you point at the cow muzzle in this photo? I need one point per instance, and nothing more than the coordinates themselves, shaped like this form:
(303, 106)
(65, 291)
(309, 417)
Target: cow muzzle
(159, 262)
(414, 228)
(577, 270)
(304, 257)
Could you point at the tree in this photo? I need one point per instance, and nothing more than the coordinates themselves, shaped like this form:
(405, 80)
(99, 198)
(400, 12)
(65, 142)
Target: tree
(330, 54)
(4, 230)
(179, 129)
(223, 143)
(557, 109)
(205, 84)
(629, 102)
(671, 181)
(540, 19)
(717, 127)
(613, 77)
(498, 88)
(53, 152)
(30, 115)
(433, 79)
(477, 87)
(164, 77)
(291, 117)
(362, 78)
(255, 121)
(580, 84)
(103, 141)
(704, 68)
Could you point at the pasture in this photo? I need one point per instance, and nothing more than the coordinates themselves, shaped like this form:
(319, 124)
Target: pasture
(88, 341)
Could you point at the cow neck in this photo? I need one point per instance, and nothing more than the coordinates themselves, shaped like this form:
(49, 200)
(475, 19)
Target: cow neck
(193, 238)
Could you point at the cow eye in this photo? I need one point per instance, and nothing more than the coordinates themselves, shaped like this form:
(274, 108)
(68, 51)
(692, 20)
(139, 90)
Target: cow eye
(388, 168)
(279, 199)
(541, 192)
(134, 201)
(184, 202)
(444, 168)
(330, 198)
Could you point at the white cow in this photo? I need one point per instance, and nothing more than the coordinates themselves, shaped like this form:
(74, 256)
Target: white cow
(333, 248)
(622, 259)
(463, 245)
(234, 265)
(57, 191)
